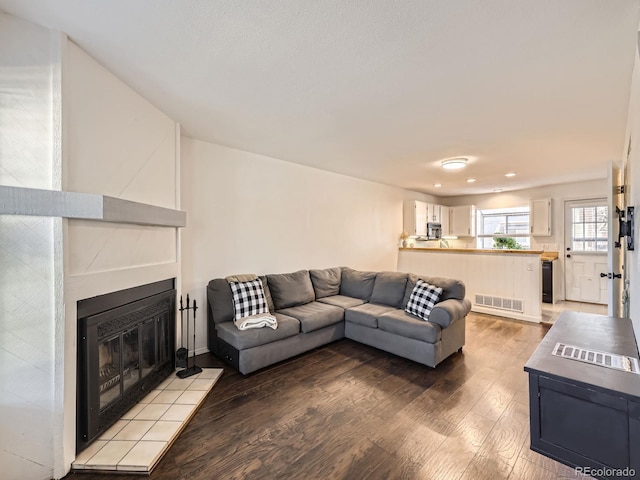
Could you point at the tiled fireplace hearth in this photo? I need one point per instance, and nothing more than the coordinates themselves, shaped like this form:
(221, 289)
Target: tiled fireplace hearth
(136, 442)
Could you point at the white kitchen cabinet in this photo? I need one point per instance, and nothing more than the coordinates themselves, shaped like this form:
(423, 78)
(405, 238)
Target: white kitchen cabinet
(444, 221)
(540, 217)
(433, 213)
(462, 221)
(415, 218)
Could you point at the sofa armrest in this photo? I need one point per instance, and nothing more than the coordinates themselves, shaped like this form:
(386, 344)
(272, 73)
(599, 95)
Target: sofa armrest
(448, 311)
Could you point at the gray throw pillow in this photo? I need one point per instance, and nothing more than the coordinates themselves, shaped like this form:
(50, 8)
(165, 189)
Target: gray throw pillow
(290, 289)
(357, 284)
(389, 288)
(267, 293)
(326, 282)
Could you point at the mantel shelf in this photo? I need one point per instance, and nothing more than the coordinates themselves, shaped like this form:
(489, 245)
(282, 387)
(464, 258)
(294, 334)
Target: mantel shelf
(86, 206)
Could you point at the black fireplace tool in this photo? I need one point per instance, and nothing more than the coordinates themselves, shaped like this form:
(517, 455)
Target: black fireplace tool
(193, 369)
(182, 353)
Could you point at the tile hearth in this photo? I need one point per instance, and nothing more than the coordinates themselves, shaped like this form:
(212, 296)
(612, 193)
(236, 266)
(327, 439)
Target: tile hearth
(137, 442)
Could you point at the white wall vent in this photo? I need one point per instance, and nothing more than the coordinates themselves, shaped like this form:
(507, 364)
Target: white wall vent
(604, 359)
(502, 303)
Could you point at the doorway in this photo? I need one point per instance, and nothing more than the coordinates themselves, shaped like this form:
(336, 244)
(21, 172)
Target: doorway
(586, 248)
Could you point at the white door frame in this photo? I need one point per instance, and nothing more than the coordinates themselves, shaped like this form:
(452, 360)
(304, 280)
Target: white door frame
(615, 256)
(566, 224)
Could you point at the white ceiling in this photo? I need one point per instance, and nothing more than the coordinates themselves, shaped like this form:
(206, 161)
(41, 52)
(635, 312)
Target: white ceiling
(379, 89)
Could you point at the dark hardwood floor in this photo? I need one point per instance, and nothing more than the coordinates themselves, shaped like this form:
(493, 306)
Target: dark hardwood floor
(348, 411)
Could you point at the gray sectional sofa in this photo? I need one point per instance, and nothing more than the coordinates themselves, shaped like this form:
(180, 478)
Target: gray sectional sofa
(316, 307)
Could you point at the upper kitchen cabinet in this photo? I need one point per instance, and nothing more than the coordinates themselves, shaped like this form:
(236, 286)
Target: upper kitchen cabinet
(462, 221)
(540, 217)
(434, 213)
(444, 221)
(415, 218)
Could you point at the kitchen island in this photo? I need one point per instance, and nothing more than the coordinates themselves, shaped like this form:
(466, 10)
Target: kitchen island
(506, 283)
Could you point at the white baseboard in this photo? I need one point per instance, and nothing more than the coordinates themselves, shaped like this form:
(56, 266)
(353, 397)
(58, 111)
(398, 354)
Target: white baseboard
(506, 314)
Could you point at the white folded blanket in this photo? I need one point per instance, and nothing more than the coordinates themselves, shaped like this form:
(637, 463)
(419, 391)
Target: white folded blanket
(256, 321)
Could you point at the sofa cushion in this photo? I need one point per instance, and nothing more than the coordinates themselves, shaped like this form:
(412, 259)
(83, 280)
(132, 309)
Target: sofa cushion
(450, 288)
(401, 323)
(366, 314)
(388, 288)
(267, 293)
(357, 284)
(315, 315)
(248, 298)
(220, 301)
(342, 301)
(290, 289)
(254, 337)
(326, 282)
(423, 298)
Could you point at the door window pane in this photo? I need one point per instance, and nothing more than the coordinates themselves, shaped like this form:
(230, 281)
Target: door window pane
(590, 228)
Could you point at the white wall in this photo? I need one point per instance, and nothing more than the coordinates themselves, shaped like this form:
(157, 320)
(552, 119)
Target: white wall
(632, 179)
(118, 144)
(27, 272)
(253, 214)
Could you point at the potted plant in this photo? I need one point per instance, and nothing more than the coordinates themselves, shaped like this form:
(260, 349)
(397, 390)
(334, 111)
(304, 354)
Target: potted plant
(506, 243)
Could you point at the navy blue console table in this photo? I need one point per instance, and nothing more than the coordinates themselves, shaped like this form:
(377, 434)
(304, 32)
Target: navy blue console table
(586, 415)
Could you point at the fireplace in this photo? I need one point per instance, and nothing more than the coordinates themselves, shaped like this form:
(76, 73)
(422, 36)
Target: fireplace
(125, 349)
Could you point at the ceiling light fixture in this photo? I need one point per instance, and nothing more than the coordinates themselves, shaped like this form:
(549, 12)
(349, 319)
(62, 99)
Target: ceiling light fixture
(497, 190)
(510, 174)
(437, 185)
(471, 180)
(454, 163)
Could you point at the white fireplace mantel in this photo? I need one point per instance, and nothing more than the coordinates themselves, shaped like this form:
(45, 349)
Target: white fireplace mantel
(87, 206)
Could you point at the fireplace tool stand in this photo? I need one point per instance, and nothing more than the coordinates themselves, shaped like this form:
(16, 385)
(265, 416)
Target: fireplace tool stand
(193, 369)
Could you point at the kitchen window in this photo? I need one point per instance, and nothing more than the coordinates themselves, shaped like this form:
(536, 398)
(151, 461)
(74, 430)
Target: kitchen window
(511, 223)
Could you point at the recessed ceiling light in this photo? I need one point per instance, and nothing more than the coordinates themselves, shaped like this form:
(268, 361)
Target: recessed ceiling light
(497, 190)
(454, 163)
(471, 180)
(437, 185)
(510, 174)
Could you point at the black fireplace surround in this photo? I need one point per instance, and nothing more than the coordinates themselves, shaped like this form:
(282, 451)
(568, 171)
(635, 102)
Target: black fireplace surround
(125, 349)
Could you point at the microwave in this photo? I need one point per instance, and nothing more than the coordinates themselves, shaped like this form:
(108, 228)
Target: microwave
(434, 231)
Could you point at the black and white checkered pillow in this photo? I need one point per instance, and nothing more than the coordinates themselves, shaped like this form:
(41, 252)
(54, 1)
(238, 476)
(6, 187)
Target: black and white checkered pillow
(248, 298)
(423, 298)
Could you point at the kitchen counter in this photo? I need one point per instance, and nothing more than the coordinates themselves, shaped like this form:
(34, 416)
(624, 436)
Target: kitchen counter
(475, 250)
(499, 282)
(549, 256)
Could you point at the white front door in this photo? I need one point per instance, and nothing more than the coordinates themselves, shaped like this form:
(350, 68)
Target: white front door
(586, 246)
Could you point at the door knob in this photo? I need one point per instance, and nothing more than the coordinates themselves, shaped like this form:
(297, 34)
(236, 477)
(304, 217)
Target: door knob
(605, 275)
(568, 255)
